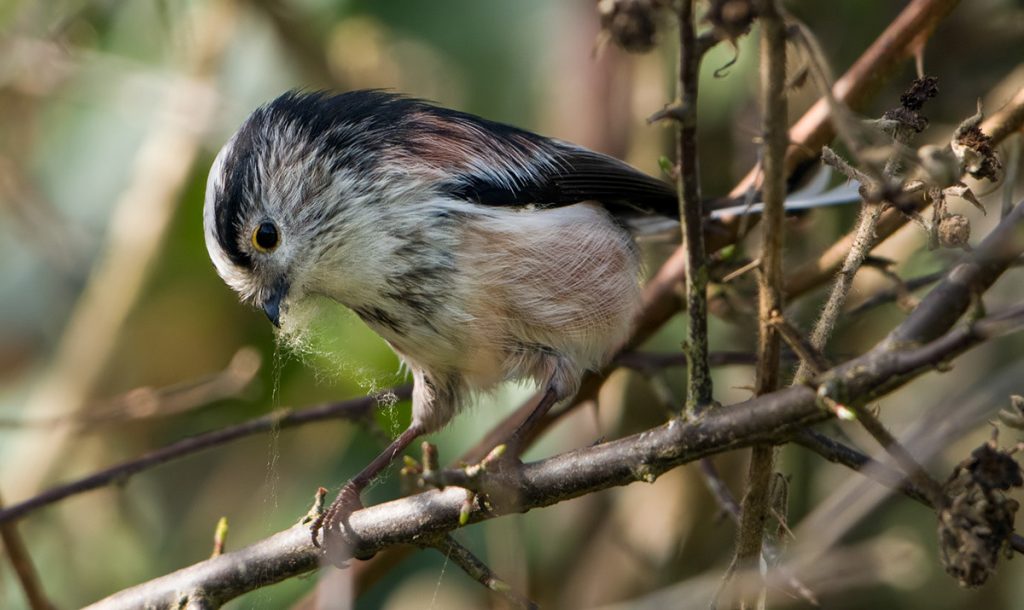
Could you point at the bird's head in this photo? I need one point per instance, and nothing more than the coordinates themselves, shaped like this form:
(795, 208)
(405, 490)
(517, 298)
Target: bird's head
(281, 199)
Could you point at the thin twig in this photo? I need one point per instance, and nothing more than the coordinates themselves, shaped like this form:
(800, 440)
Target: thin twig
(916, 473)
(723, 495)
(21, 563)
(896, 293)
(814, 360)
(281, 419)
(149, 402)
(864, 235)
(755, 505)
(691, 214)
(863, 242)
(478, 570)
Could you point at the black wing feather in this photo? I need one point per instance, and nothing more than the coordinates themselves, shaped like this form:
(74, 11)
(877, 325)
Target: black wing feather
(571, 175)
(577, 175)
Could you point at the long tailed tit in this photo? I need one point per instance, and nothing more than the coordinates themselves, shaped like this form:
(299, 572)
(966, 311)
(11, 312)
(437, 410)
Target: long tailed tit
(480, 252)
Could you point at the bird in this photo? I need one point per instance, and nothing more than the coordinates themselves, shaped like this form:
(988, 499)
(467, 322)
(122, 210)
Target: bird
(480, 252)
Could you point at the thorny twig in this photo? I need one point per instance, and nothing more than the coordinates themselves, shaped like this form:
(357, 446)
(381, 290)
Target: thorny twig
(864, 235)
(755, 504)
(691, 214)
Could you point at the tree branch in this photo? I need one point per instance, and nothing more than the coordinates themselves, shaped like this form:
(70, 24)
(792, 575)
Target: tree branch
(281, 419)
(691, 215)
(755, 505)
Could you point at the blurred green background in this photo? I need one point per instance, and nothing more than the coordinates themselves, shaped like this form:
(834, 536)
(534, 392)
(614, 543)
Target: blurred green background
(110, 115)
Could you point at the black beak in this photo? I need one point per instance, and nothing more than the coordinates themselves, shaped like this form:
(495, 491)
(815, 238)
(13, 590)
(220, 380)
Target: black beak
(272, 304)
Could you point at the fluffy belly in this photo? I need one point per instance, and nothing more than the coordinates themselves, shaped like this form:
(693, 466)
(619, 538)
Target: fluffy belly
(560, 283)
(530, 292)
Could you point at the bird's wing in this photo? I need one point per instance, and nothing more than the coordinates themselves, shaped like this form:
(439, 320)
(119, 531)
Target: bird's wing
(494, 164)
(573, 175)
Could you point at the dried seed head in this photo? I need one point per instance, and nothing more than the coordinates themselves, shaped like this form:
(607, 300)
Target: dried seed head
(731, 18)
(978, 521)
(631, 24)
(993, 469)
(954, 231)
(973, 148)
(972, 532)
(921, 90)
(907, 115)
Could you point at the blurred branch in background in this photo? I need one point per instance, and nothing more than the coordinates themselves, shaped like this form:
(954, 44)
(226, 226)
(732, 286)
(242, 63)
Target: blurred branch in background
(148, 402)
(887, 558)
(353, 410)
(137, 229)
(21, 562)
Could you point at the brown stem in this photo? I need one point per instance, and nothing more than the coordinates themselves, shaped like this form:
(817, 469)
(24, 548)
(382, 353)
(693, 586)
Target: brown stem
(691, 214)
(354, 409)
(754, 511)
(21, 563)
(478, 570)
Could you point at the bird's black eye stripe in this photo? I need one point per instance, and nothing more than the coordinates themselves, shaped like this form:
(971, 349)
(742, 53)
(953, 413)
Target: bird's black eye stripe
(265, 237)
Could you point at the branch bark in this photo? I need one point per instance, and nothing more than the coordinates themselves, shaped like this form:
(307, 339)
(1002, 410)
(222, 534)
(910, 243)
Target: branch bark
(691, 215)
(754, 510)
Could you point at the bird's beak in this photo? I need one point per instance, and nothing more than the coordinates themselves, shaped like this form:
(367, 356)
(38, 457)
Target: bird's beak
(272, 304)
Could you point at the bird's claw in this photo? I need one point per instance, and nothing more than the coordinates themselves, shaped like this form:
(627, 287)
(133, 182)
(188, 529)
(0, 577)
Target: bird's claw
(337, 542)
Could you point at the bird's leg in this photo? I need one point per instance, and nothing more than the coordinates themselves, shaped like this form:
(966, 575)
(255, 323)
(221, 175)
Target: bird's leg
(333, 520)
(516, 442)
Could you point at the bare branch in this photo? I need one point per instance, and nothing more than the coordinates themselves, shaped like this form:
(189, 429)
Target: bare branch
(279, 420)
(755, 505)
(21, 563)
(478, 570)
(691, 215)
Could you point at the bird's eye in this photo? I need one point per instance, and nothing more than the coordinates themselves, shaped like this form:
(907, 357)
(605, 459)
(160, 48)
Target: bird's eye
(265, 237)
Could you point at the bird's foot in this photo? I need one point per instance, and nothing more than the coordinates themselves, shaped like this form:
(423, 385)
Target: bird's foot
(338, 541)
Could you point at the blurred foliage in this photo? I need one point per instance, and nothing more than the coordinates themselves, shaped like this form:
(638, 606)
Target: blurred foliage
(82, 86)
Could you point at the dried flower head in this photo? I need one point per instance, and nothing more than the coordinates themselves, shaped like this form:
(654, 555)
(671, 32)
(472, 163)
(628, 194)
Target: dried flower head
(731, 18)
(631, 24)
(954, 231)
(973, 148)
(976, 525)
(907, 115)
